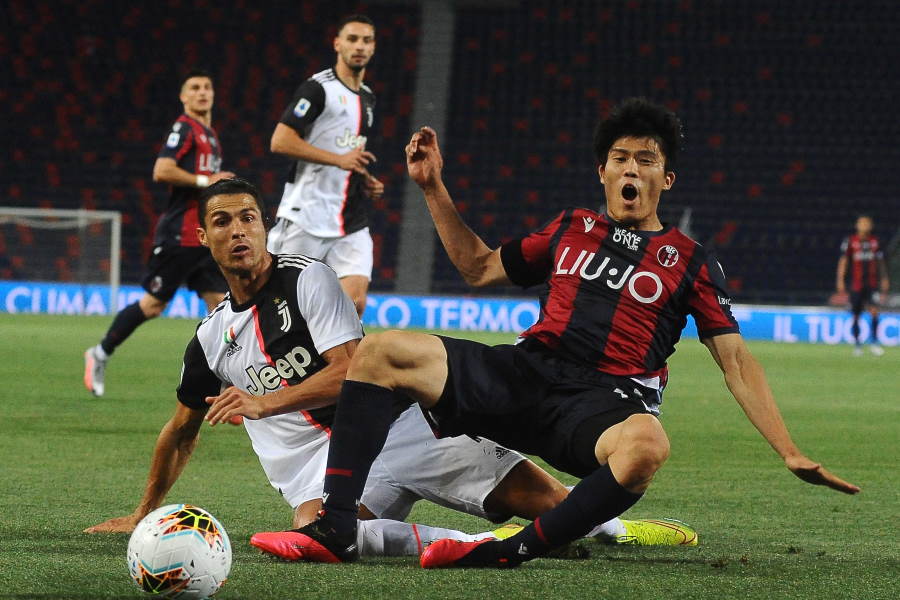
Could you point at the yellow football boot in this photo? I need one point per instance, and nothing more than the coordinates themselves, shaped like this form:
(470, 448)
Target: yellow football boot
(657, 532)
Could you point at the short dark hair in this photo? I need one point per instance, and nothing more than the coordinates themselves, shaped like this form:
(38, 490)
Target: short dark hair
(357, 18)
(639, 117)
(225, 187)
(195, 72)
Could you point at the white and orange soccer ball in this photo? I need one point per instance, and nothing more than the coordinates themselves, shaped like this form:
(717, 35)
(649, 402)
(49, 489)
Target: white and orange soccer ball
(179, 551)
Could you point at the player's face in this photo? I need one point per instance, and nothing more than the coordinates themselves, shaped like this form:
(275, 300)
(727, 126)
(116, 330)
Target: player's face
(197, 95)
(864, 226)
(235, 233)
(633, 178)
(355, 45)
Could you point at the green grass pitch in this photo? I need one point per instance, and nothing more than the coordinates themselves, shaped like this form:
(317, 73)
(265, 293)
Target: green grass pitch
(69, 460)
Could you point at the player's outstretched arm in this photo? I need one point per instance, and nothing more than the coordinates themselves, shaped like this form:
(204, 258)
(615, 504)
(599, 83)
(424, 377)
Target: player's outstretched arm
(174, 446)
(476, 262)
(319, 389)
(746, 380)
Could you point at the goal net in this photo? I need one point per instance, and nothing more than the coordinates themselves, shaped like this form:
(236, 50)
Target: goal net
(79, 247)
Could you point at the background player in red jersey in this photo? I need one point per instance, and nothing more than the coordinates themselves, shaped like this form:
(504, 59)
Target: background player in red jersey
(583, 388)
(867, 274)
(189, 160)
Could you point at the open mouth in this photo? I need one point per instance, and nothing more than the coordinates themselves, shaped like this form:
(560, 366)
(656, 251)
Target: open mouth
(240, 249)
(629, 192)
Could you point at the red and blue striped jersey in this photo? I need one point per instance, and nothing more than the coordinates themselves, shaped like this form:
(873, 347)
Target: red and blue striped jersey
(196, 149)
(616, 300)
(863, 254)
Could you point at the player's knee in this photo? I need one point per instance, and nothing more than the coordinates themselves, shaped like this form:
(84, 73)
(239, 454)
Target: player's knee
(645, 446)
(152, 309)
(373, 356)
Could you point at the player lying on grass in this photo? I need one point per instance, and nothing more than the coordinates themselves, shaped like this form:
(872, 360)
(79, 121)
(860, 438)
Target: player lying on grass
(282, 341)
(582, 390)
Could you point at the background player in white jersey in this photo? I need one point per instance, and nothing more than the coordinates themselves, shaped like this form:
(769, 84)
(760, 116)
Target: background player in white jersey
(324, 209)
(282, 341)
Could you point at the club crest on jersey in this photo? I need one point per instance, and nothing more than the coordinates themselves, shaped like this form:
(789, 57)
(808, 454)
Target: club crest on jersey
(589, 223)
(644, 286)
(350, 140)
(268, 378)
(230, 338)
(627, 238)
(285, 315)
(667, 255)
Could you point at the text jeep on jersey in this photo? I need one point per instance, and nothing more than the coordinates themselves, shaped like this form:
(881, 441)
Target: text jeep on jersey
(268, 379)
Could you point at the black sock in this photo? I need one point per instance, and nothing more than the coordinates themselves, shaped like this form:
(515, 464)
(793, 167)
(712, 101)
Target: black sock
(596, 499)
(361, 424)
(128, 319)
(854, 329)
(874, 336)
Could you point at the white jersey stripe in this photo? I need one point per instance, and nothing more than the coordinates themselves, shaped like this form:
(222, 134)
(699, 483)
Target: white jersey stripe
(294, 263)
(298, 261)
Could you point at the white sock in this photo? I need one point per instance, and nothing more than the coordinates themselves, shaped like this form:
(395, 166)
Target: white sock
(100, 353)
(609, 530)
(384, 537)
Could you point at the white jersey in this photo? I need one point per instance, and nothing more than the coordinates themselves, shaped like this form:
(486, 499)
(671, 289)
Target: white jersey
(277, 339)
(325, 200)
(274, 340)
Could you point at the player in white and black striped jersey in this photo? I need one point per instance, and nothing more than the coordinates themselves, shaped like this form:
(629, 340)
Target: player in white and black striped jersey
(276, 351)
(327, 196)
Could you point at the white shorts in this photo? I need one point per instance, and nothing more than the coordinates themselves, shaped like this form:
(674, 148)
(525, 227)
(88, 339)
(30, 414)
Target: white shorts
(347, 255)
(457, 473)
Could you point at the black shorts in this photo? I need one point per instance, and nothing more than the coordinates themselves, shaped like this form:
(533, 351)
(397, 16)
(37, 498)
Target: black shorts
(861, 299)
(171, 266)
(525, 398)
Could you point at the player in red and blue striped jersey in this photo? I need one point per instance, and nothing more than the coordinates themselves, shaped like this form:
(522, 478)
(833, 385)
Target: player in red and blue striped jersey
(189, 160)
(583, 388)
(867, 274)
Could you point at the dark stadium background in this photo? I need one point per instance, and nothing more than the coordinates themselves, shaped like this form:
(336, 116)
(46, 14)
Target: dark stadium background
(789, 111)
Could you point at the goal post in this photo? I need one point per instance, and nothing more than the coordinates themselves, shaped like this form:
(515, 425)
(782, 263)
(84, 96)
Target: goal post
(34, 252)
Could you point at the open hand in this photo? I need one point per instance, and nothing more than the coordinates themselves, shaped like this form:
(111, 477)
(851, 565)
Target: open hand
(124, 524)
(816, 474)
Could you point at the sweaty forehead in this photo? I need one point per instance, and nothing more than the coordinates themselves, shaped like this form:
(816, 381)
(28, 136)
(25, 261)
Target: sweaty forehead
(636, 144)
(230, 203)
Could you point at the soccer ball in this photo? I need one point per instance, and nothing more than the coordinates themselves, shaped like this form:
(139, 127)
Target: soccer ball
(179, 551)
